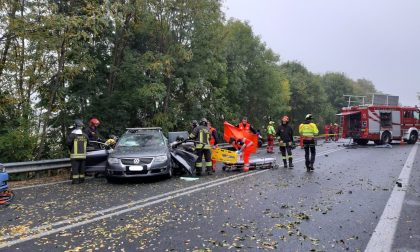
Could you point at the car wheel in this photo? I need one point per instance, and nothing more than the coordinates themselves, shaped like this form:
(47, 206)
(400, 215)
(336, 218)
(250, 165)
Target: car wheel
(413, 137)
(386, 138)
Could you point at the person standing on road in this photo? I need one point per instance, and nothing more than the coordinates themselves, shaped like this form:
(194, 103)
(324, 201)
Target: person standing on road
(194, 124)
(243, 146)
(92, 130)
(286, 141)
(214, 141)
(201, 135)
(77, 142)
(245, 126)
(308, 130)
(271, 132)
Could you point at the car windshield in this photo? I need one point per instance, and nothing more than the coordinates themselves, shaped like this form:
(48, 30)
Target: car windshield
(139, 140)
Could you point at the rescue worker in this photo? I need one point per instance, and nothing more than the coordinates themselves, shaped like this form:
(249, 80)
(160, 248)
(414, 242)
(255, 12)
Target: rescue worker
(244, 147)
(214, 141)
(92, 130)
(326, 132)
(201, 136)
(331, 132)
(336, 132)
(308, 130)
(245, 126)
(193, 125)
(286, 141)
(77, 142)
(271, 133)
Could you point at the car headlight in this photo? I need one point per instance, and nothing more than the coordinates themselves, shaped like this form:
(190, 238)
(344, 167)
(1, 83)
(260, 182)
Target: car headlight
(113, 160)
(161, 159)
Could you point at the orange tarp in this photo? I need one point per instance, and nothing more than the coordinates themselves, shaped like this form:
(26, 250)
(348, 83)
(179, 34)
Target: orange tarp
(232, 131)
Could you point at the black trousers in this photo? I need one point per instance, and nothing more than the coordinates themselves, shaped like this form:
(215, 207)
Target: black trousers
(283, 150)
(309, 145)
(207, 157)
(78, 168)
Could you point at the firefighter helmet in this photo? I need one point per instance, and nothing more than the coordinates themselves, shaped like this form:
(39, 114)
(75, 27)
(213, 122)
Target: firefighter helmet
(78, 123)
(203, 121)
(95, 122)
(308, 117)
(194, 123)
(271, 122)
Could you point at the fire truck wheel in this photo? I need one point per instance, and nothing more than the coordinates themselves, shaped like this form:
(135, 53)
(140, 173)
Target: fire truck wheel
(413, 138)
(386, 138)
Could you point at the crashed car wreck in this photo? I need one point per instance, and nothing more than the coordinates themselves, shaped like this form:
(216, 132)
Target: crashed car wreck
(142, 152)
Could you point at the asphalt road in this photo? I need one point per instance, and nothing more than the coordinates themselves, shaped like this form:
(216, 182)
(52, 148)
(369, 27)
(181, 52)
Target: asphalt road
(336, 208)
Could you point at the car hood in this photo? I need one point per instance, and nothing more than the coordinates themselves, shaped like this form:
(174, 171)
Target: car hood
(133, 152)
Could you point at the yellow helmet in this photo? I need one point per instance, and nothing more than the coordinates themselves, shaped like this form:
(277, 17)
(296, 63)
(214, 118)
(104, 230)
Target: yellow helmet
(110, 142)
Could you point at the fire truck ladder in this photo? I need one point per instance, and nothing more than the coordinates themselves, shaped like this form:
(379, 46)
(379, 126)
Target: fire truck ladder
(356, 100)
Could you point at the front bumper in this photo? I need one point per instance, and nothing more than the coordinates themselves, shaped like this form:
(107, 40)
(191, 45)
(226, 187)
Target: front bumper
(124, 171)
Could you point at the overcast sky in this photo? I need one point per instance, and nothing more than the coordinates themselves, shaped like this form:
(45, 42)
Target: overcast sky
(378, 40)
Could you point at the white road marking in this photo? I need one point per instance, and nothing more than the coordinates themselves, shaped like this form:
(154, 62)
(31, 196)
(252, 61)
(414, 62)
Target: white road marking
(45, 230)
(383, 236)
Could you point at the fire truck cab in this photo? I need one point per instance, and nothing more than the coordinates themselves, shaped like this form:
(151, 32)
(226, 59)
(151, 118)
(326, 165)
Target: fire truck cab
(381, 121)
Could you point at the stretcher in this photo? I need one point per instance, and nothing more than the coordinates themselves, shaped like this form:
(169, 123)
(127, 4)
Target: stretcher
(232, 161)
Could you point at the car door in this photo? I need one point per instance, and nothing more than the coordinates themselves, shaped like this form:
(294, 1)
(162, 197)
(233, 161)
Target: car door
(97, 157)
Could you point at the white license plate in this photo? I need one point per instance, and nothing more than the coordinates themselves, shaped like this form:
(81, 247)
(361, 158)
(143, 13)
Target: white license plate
(135, 168)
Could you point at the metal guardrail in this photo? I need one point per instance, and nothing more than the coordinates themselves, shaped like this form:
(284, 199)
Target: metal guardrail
(41, 165)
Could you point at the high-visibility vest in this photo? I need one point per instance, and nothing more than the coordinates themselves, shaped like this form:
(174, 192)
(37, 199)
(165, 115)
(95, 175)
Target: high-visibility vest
(212, 140)
(271, 130)
(248, 143)
(201, 135)
(79, 147)
(308, 129)
(247, 126)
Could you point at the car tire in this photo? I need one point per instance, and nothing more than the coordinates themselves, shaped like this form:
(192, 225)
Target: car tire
(386, 138)
(413, 137)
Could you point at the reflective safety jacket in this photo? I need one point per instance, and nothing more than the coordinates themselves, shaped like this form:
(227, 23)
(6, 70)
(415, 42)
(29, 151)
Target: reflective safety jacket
(77, 142)
(246, 127)
(285, 133)
(308, 130)
(213, 136)
(271, 130)
(201, 134)
(241, 142)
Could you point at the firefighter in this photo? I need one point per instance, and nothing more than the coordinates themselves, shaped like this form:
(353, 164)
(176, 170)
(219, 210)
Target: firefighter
(77, 142)
(336, 132)
(326, 132)
(245, 126)
(201, 135)
(92, 130)
(244, 146)
(193, 125)
(286, 141)
(213, 142)
(308, 130)
(271, 132)
(331, 132)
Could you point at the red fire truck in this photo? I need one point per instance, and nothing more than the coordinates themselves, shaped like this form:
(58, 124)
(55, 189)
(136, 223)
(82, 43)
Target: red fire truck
(381, 121)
